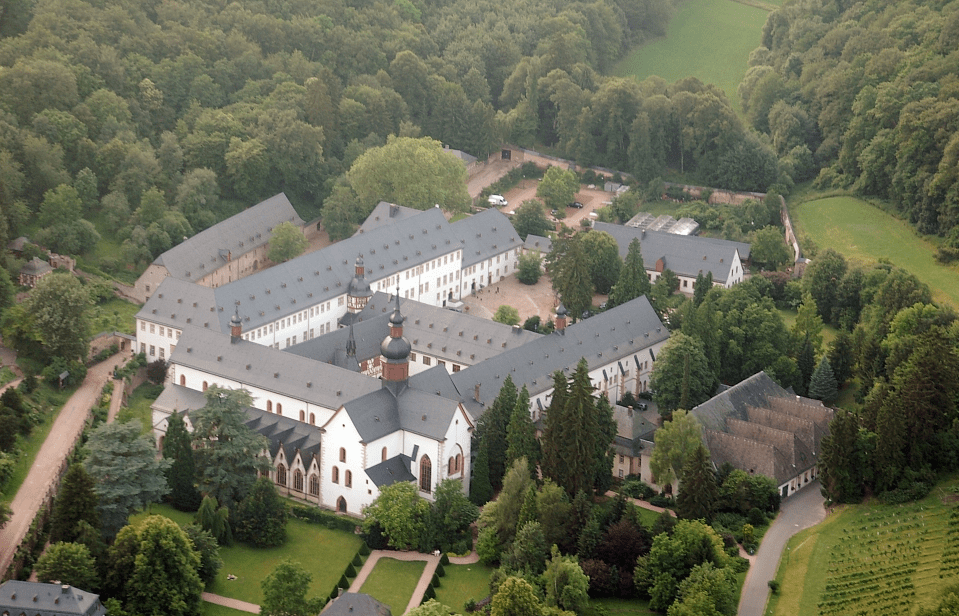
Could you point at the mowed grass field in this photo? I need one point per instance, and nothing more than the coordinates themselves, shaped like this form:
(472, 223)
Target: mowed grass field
(323, 552)
(872, 559)
(393, 582)
(866, 234)
(462, 583)
(707, 39)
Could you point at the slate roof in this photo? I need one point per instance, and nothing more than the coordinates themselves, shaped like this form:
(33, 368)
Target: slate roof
(367, 333)
(759, 427)
(36, 267)
(355, 604)
(485, 235)
(734, 402)
(686, 255)
(270, 369)
(538, 242)
(384, 214)
(207, 250)
(180, 304)
(318, 276)
(286, 433)
(179, 398)
(400, 407)
(39, 599)
(624, 331)
(632, 427)
(447, 334)
(391, 471)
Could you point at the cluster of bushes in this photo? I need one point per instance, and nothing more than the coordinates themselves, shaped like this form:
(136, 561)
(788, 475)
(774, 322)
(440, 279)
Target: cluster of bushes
(527, 170)
(112, 350)
(351, 570)
(31, 547)
(315, 515)
(124, 372)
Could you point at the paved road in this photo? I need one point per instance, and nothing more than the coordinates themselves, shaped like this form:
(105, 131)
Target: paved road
(799, 511)
(46, 468)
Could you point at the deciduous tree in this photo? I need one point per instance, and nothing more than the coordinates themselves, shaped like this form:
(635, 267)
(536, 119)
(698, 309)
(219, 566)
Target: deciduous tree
(164, 579)
(287, 242)
(531, 219)
(558, 187)
(400, 512)
(676, 442)
(284, 592)
(681, 376)
(69, 563)
(58, 307)
(260, 518)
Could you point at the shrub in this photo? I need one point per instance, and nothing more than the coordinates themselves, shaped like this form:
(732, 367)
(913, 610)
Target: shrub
(435, 582)
(444, 560)
(773, 586)
(357, 560)
(343, 583)
(365, 549)
(470, 605)
(757, 517)
(635, 487)
(350, 571)
(440, 570)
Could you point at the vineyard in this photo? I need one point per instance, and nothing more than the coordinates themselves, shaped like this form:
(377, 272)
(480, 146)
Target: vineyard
(872, 560)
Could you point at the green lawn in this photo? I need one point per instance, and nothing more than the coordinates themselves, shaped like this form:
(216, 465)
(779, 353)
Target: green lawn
(323, 552)
(463, 582)
(116, 314)
(866, 234)
(872, 559)
(138, 406)
(393, 582)
(212, 609)
(612, 606)
(828, 331)
(708, 39)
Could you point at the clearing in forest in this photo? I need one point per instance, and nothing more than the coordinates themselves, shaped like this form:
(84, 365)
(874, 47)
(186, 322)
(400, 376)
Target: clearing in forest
(707, 39)
(866, 234)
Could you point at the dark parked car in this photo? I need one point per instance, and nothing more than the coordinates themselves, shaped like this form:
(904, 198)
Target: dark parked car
(576, 204)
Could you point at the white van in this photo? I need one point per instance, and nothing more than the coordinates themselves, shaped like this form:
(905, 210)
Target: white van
(497, 201)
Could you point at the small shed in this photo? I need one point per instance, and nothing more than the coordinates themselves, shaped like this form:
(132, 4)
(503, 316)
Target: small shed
(34, 269)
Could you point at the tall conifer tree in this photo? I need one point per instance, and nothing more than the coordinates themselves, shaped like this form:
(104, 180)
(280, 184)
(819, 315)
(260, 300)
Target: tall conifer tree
(521, 434)
(481, 491)
(552, 460)
(698, 493)
(633, 280)
(493, 427)
(76, 502)
(181, 476)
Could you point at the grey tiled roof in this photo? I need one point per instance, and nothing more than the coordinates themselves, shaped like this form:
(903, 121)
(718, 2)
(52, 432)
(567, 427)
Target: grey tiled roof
(538, 242)
(384, 214)
(447, 334)
(686, 255)
(391, 471)
(35, 267)
(39, 599)
(485, 235)
(367, 333)
(206, 251)
(624, 331)
(355, 604)
(180, 304)
(390, 409)
(286, 432)
(270, 369)
(179, 398)
(318, 276)
(734, 402)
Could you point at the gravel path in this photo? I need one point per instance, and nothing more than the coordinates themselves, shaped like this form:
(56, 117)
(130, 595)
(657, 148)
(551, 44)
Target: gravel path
(51, 458)
(236, 604)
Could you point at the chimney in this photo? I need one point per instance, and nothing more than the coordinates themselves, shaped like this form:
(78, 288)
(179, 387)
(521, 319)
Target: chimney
(561, 314)
(236, 327)
(476, 392)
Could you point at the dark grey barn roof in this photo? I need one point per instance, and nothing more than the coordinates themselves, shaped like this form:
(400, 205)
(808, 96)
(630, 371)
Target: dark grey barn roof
(35, 598)
(270, 369)
(485, 235)
(625, 331)
(733, 402)
(686, 255)
(538, 242)
(207, 250)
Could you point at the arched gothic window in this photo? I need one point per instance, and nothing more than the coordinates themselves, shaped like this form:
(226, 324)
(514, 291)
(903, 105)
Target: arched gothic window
(426, 474)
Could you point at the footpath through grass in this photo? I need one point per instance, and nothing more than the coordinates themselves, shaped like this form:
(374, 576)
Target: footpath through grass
(708, 39)
(393, 582)
(872, 559)
(866, 234)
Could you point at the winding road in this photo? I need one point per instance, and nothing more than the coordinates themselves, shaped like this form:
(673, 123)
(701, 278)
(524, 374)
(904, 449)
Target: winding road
(797, 513)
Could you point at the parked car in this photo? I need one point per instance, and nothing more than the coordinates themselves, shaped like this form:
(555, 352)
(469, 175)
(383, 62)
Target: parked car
(576, 204)
(498, 200)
